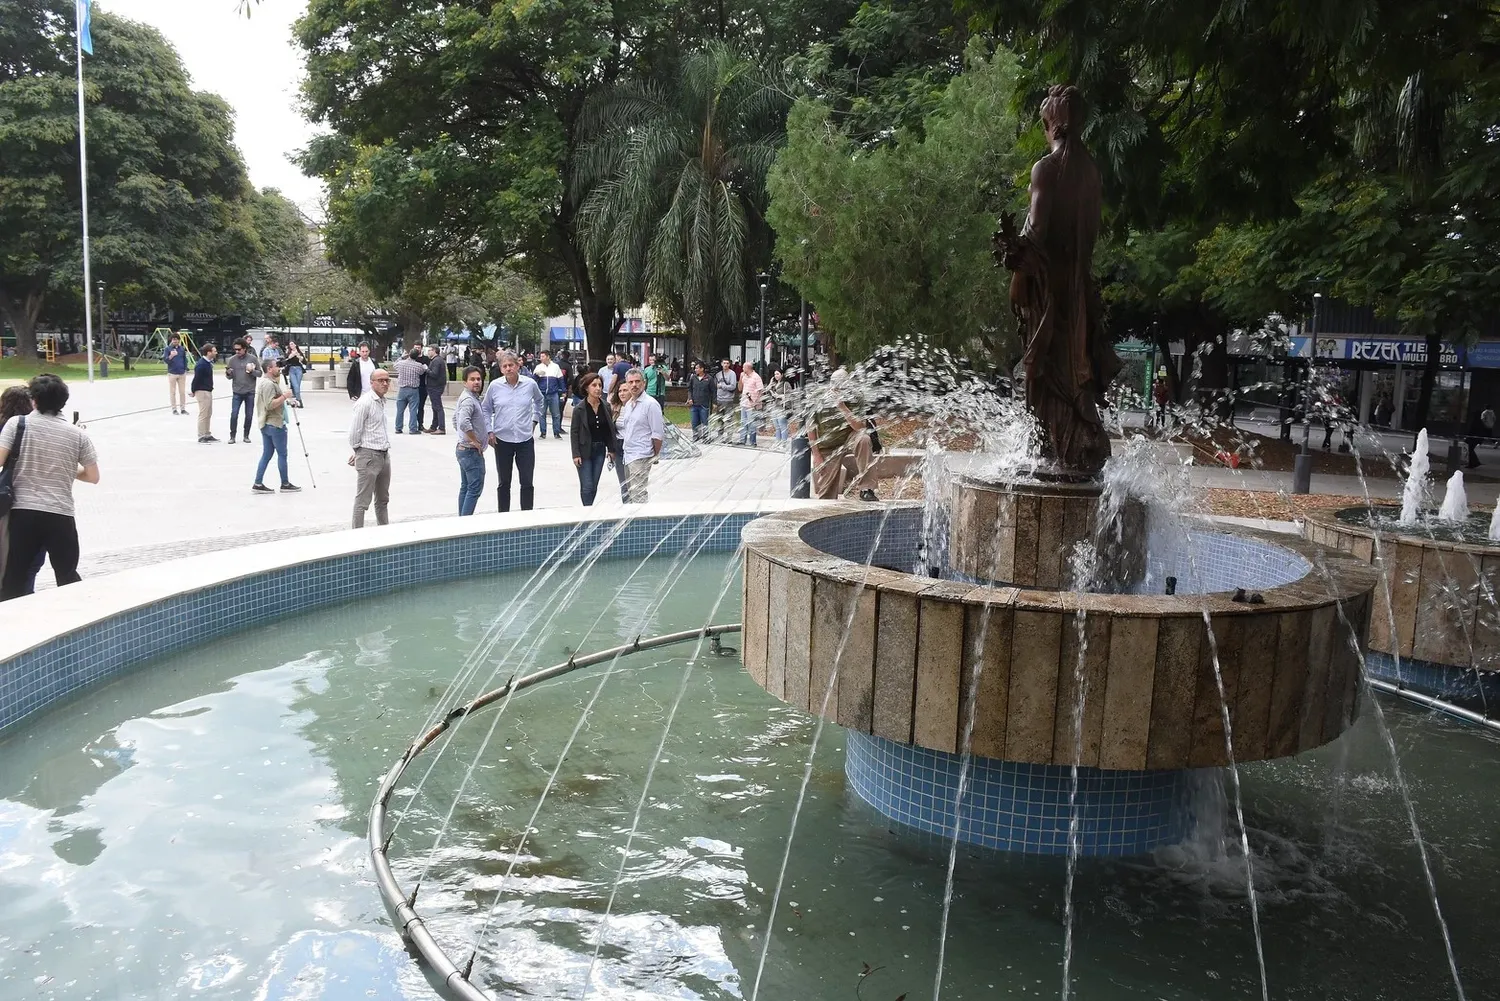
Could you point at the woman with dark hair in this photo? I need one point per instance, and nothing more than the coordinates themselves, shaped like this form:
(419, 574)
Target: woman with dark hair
(14, 402)
(51, 456)
(593, 435)
(294, 363)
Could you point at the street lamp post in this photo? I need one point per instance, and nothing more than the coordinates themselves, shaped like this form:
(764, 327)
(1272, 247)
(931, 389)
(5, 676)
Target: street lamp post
(1302, 464)
(765, 281)
(573, 329)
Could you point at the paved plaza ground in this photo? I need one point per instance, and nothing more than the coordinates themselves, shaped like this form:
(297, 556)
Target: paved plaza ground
(163, 495)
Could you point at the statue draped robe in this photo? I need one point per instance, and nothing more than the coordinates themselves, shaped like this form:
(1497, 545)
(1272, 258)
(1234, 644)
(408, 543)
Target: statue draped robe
(1069, 362)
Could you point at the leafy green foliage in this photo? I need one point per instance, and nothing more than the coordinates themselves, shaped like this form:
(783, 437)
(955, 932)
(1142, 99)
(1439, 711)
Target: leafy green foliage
(171, 210)
(675, 181)
(895, 239)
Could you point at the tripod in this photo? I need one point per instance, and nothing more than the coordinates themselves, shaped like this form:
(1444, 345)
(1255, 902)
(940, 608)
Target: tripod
(307, 458)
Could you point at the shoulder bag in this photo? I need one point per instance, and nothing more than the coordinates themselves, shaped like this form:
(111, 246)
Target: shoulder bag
(7, 474)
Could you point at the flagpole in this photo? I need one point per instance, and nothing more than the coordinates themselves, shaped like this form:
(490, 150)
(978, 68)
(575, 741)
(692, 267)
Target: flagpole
(83, 177)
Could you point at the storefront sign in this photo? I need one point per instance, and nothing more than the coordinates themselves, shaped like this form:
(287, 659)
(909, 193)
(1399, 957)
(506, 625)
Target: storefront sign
(1395, 352)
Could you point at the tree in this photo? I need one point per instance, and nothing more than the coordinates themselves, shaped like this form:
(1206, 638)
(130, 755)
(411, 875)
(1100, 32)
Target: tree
(475, 110)
(675, 184)
(169, 202)
(895, 239)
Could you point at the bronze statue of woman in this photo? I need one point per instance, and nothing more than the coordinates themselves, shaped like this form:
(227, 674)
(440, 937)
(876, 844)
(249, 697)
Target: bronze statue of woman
(1069, 361)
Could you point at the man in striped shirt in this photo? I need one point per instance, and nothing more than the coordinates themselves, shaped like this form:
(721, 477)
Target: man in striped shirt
(469, 422)
(371, 442)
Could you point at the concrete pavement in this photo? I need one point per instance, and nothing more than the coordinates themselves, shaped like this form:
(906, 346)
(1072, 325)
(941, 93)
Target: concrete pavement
(162, 494)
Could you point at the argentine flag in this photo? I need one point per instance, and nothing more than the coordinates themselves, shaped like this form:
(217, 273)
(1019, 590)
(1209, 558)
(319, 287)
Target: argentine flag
(85, 26)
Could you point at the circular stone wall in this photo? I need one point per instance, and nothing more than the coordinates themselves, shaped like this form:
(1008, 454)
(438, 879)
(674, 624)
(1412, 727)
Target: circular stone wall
(907, 649)
(1434, 620)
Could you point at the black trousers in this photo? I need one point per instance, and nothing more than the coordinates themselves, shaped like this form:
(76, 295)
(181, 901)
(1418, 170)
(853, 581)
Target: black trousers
(524, 455)
(33, 533)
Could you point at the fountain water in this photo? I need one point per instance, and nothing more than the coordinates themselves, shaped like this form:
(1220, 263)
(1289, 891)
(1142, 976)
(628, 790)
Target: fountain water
(1455, 509)
(1414, 494)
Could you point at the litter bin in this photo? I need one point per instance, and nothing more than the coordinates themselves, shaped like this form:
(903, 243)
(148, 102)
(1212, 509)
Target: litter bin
(801, 468)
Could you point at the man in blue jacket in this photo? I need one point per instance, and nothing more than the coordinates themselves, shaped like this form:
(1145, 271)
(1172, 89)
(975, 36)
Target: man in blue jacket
(553, 384)
(203, 391)
(176, 357)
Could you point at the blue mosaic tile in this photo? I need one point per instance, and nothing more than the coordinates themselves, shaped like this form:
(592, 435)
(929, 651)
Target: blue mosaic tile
(68, 663)
(1019, 807)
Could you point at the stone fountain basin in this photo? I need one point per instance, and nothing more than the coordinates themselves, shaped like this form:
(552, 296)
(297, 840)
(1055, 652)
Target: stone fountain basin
(1437, 603)
(906, 648)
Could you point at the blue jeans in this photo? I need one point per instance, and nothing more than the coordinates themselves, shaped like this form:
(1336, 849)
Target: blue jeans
(782, 434)
(272, 439)
(246, 400)
(294, 376)
(439, 420)
(408, 396)
(470, 479)
(700, 418)
(551, 404)
(589, 473)
(749, 424)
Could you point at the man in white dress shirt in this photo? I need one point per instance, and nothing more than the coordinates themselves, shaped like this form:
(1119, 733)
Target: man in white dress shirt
(510, 408)
(643, 431)
(371, 441)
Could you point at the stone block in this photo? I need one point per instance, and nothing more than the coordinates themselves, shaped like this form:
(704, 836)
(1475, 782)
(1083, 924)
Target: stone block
(1287, 686)
(1174, 694)
(1320, 645)
(799, 608)
(1257, 673)
(895, 666)
(1405, 586)
(1083, 669)
(940, 655)
(987, 641)
(779, 580)
(1028, 529)
(1445, 598)
(1128, 692)
(1222, 644)
(757, 579)
(1035, 655)
(856, 692)
(1052, 544)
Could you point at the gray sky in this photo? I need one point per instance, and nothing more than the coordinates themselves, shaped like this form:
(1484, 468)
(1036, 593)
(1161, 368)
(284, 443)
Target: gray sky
(254, 65)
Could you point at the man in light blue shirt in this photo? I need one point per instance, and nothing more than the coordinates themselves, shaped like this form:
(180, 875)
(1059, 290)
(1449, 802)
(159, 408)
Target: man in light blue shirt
(510, 406)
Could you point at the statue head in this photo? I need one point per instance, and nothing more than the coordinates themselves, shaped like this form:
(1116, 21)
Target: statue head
(1062, 112)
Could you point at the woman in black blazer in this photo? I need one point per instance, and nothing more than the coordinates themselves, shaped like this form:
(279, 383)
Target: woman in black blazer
(593, 434)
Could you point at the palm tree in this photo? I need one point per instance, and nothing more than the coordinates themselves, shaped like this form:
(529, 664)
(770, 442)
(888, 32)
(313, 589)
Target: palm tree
(672, 187)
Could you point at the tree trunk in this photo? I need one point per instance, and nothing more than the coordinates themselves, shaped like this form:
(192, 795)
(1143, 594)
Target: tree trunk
(22, 317)
(596, 306)
(1429, 380)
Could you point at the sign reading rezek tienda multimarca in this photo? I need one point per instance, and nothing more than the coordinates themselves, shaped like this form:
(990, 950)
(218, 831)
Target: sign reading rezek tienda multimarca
(1394, 352)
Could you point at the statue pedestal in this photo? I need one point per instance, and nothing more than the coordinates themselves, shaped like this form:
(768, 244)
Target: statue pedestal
(1023, 532)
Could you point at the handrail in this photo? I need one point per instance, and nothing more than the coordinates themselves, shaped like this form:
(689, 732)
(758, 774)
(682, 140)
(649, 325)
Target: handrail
(401, 905)
(1432, 702)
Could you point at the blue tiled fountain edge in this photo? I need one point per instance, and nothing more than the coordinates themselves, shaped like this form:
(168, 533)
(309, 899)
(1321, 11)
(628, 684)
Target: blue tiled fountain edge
(104, 649)
(1018, 807)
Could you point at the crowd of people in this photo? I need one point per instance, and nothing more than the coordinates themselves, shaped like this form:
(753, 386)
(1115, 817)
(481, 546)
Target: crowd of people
(615, 417)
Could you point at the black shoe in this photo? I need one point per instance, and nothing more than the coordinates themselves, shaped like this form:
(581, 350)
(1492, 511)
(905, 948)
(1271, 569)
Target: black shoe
(868, 495)
(207, 438)
(231, 439)
(398, 431)
(174, 411)
(290, 488)
(261, 488)
(246, 439)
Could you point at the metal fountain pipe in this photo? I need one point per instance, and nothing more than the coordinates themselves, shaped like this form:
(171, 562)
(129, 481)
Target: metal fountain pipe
(402, 907)
(1430, 702)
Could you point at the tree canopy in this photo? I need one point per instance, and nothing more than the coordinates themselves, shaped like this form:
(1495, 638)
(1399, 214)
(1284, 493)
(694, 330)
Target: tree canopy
(894, 239)
(172, 213)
